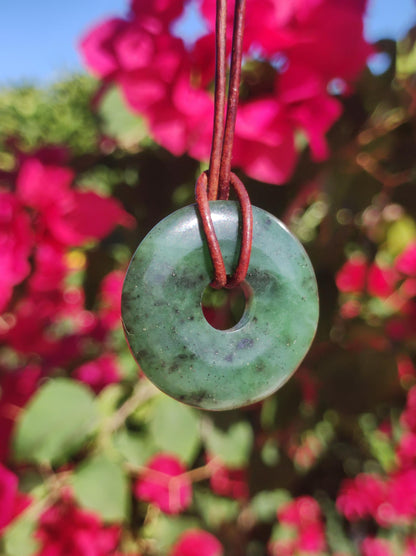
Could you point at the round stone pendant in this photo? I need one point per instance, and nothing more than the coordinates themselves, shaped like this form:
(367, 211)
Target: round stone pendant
(176, 347)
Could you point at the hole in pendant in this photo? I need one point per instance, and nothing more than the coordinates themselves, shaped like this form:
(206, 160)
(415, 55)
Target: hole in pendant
(223, 309)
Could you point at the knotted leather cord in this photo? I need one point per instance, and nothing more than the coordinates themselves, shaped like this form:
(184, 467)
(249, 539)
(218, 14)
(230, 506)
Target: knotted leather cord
(220, 277)
(215, 184)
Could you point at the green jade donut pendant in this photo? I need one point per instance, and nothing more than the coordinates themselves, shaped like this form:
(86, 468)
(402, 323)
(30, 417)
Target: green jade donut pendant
(175, 346)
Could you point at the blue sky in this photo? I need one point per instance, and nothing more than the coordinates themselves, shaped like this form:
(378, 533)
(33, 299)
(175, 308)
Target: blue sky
(38, 38)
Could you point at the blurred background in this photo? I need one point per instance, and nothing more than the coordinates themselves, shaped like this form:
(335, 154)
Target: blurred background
(105, 124)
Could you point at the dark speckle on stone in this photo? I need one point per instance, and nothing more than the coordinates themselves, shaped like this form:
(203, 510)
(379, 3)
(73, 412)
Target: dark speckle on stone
(245, 343)
(229, 357)
(174, 367)
(142, 354)
(260, 367)
(261, 280)
(198, 397)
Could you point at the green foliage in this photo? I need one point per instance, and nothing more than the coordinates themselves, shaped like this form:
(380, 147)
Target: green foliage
(232, 446)
(135, 448)
(119, 123)
(165, 530)
(56, 423)
(265, 504)
(175, 428)
(216, 510)
(60, 114)
(19, 538)
(102, 486)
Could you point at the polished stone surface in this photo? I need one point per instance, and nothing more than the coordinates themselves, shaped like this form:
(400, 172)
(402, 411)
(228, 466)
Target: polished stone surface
(178, 350)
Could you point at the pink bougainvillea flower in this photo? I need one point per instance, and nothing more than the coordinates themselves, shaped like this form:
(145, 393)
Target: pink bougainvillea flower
(77, 225)
(16, 241)
(304, 514)
(16, 388)
(376, 547)
(64, 214)
(159, 486)
(229, 482)
(66, 529)
(301, 511)
(12, 502)
(196, 542)
(408, 417)
(170, 85)
(381, 280)
(162, 12)
(351, 278)
(50, 268)
(110, 299)
(405, 367)
(99, 373)
(400, 503)
(406, 261)
(410, 547)
(264, 144)
(406, 450)
(98, 47)
(361, 497)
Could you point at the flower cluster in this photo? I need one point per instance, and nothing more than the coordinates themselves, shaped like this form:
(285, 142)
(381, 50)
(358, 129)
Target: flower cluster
(301, 521)
(295, 52)
(384, 288)
(392, 282)
(44, 220)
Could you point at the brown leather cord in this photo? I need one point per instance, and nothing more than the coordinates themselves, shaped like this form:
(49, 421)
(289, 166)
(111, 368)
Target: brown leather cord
(220, 277)
(233, 94)
(219, 103)
(215, 184)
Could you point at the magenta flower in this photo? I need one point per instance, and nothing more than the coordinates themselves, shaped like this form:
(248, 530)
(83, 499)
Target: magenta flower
(229, 482)
(361, 497)
(303, 45)
(16, 387)
(110, 299)
(66, 529)
(16, 242)
(99, 373)
(197, 542)
(304, 515)
(12, 502)
(165, 484)
(64, 213)
(351, 278)
(376, 547)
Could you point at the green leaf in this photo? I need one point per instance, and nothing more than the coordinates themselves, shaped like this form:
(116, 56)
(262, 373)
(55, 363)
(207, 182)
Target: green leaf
(382, 450)
(232, 446)
(406, 58)
(400, 234)
(102, 486)
(175, 428)
(134, 447)
(108, 399)
(265, 504)
(283, 532)
(165, 530)
(18, 538)
(216, 510)
(56, 422)
(119, 122)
